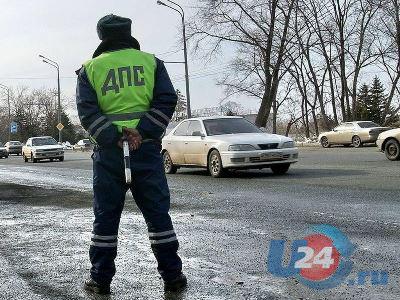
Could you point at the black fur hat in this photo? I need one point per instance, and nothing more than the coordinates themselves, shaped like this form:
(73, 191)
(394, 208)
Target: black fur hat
(112, 27)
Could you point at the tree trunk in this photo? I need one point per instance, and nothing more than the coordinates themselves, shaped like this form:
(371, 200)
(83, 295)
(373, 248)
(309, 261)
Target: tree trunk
(288, 127)
(315, 119)
(274, 116)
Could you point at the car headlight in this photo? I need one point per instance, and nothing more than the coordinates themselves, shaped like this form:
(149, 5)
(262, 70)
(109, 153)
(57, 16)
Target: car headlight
(289, 144)
(243, 147)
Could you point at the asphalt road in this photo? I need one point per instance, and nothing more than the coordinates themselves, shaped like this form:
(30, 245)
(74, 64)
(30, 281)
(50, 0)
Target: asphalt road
(224, 226)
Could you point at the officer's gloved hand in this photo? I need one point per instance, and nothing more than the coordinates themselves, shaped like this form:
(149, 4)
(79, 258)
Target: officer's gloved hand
(134, 138)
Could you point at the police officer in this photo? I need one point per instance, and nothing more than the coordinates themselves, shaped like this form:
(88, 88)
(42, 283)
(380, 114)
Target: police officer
(123, 87)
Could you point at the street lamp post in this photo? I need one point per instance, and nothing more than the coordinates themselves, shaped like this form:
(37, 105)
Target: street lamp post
(9, 109)
(182, 13)
(55, 65)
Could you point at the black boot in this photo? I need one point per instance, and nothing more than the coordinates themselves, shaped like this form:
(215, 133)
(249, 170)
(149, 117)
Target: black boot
(92, 286)
(176, 285)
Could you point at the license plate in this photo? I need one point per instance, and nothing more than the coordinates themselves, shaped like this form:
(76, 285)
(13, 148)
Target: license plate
(271, 156)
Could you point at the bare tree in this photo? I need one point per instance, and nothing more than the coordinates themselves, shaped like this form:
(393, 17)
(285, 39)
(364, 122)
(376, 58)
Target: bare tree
(261, 30)
(35, 112)
(389, 52)
(323, 47)
(346, 43)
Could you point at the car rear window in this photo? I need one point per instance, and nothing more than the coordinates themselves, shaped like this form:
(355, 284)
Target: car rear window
(367, 124)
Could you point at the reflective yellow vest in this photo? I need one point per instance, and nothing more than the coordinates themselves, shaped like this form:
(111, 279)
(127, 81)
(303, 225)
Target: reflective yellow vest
(124, 82)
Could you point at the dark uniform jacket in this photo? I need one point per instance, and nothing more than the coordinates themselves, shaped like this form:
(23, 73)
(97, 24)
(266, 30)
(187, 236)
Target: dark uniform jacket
(151, 126)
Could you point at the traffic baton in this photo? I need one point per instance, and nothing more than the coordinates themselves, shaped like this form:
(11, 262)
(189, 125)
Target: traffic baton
(127, 161)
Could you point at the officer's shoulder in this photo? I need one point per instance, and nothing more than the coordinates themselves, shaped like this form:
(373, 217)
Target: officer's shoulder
(140, 51)
(144, 53)
(89, 62)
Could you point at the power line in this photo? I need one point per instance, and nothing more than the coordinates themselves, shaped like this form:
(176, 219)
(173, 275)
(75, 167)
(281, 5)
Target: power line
(202, 72)
(36, 78)
(199, 76)
(169, 52)
(194, 74)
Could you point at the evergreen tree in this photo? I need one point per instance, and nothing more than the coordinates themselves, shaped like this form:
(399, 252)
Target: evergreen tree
(376, 102)
(362, 100)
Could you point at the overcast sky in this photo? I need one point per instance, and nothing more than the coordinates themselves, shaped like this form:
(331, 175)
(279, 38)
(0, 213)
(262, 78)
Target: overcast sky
(65, 31)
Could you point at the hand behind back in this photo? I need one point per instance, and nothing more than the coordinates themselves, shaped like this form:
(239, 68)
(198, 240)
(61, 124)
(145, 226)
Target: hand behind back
(133, 137)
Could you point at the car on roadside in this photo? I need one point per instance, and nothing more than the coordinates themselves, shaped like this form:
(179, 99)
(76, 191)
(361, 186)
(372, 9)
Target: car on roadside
(14, 147)
(83, 145)
(389, 143)
(43, 147)
(3, 151)
(355, 133)
(67, 145)
(226, 143)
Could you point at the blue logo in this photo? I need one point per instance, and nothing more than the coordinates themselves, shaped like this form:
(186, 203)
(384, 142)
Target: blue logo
(321, 260)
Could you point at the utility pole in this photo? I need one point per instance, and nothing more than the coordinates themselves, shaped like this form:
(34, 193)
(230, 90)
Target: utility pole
(56, 65)
(9, 109)
(182, 13)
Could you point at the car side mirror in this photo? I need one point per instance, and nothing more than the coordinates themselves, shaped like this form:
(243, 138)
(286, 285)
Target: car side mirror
(198, 133)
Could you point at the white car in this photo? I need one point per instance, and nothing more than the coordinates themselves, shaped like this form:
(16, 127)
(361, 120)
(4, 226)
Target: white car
(83, 145)
(389, 142)
(14, 147)
(44, 147)
(222, 143)
(67, 145)
(3, 151)
(352, 133)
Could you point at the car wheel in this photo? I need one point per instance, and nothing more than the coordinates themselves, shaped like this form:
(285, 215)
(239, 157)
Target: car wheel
(169, 167)
(392, 149)
(280, 169)
(61, 158)
(25, 158)
(51, 160)
(357, 141)
(34, 160)
(215, 165)
(325, 142)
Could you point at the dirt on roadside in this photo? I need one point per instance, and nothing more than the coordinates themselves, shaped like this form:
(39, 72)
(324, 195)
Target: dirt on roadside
(37, 196)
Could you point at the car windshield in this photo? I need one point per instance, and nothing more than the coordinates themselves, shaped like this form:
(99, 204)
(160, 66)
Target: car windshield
(229, 126)
(15, 143)
(86, 141)
(44, 141)
(367, 124)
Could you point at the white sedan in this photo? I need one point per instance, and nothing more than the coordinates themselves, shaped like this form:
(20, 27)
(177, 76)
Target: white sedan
(43, 147)
(389, 142)
(223, 143)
